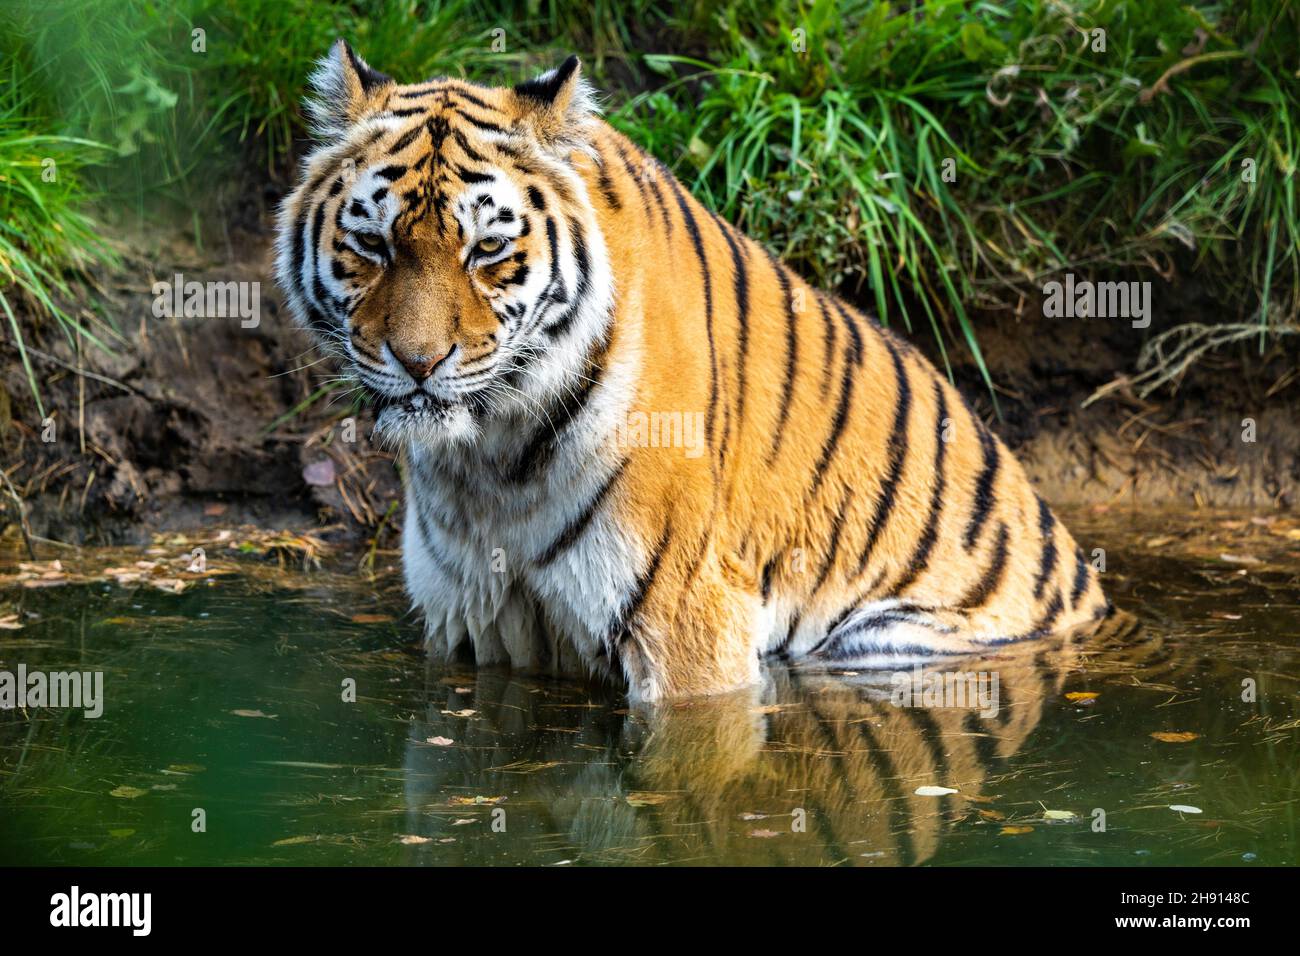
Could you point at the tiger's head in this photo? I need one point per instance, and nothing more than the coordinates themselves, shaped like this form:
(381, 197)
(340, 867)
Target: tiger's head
(441, 242)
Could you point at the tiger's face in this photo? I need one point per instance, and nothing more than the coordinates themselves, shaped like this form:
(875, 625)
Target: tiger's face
(441, 243)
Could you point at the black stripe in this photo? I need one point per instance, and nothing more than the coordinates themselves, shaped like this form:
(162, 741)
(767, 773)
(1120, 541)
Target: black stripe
(837, 527)
(641, 180)
(697, 242)
(479, 122)
(741, 277)
(828, 344)
(989, 582)
(921, 557)
(1047, 564)
(542, 446)
(574, 529)
(852, 326)
(897, 453)
(471, 177)
(767, 579)
(407, 138)
(582, 265)
(791, 357)
(518, 277)
(852, 358)
(1054, 608)
(469, 97)
(1081, 570)
(321, 294)
(473, 155)
(790, 631)
(984, 501)
(606, 182)
(422, 89)
(621, 628)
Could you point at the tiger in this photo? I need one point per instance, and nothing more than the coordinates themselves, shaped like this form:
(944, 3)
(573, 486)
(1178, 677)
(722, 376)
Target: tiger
(631, 441)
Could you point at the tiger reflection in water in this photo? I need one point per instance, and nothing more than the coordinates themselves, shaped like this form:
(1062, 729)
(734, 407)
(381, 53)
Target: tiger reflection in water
(694, 781)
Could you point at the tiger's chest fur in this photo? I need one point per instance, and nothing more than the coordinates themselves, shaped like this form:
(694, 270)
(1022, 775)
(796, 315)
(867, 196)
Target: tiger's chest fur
(512, 550)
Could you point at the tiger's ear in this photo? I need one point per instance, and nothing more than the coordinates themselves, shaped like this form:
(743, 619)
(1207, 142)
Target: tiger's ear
(558, 105)
(345, 87)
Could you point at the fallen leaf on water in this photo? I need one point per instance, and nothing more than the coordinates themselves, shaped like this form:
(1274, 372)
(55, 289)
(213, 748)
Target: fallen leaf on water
(1175, 736)
(1225, 616)
(447, 840)
(754, 816)
(10, 623)
(127, 793)
(121, 834)
(439, 741)
(163, 786)
(763, 834)
(294, 841)
(463, 690)
(410, 840)
(1184, 808)
(473, 801)
(462, 821)
(993, 814)
(527, 766)
(460, 713)
(253, 713)
(185, 768)
(1240, 559)
(642, 799)
(1060, 815)
(1015, 831)
(371, 618)
(928, 791)
(1082, 695)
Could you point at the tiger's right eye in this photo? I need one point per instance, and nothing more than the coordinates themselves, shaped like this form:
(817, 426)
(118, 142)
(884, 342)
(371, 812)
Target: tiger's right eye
(371, 242)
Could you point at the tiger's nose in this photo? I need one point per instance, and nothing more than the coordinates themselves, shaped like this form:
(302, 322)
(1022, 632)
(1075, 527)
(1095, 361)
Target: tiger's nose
(419, 367)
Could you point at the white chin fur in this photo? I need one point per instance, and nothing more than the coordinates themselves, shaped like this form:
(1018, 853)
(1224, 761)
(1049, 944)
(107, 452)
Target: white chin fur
(444, 425)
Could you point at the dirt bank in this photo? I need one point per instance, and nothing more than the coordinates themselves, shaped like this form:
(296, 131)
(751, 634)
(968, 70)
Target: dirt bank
(191, 421)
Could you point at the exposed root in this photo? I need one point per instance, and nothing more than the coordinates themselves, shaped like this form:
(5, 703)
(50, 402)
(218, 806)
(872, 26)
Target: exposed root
(1167, 356)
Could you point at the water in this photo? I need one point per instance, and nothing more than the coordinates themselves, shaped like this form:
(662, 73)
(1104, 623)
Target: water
(227, 699)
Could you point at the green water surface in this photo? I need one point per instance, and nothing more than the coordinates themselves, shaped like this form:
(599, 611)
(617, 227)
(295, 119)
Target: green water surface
(229, 699)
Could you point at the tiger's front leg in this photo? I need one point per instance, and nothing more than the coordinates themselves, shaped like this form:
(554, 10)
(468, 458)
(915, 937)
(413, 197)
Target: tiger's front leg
(696, 632)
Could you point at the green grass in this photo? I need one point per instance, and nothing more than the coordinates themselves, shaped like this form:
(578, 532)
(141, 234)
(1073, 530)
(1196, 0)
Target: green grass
(44, 235)
(825, 129)
(835, 153)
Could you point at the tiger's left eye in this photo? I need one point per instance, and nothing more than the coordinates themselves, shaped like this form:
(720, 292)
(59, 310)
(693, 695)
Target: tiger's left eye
(489, 245)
